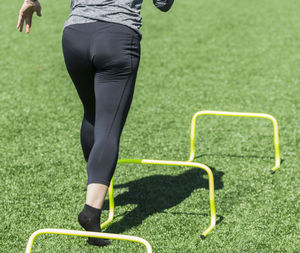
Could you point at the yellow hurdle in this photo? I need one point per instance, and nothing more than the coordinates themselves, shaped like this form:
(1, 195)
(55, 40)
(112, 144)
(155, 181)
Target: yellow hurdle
(112, 208)
(179, 163)
(86, 234)
(237, 114)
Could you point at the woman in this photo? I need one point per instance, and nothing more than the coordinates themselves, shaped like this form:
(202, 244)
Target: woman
(101, 46)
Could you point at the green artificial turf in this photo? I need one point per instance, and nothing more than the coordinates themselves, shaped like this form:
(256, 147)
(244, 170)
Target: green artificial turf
(233, 55)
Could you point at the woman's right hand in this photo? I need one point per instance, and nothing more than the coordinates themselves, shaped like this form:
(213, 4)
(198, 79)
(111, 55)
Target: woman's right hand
(26, 12)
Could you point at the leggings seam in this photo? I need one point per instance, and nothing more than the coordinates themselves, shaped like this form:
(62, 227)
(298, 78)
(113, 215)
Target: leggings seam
(109, 132)
(113, 121)
(123, 90)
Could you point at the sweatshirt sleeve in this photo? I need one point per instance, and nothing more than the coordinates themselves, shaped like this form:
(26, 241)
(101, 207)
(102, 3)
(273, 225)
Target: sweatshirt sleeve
(163, 5)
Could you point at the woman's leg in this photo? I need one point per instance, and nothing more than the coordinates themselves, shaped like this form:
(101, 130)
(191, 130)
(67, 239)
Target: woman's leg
(115, 53)
(111, 63)
(82, 72)
(114, 87)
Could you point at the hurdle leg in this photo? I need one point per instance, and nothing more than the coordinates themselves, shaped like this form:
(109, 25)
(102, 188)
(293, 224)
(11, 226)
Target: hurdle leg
(111, 206)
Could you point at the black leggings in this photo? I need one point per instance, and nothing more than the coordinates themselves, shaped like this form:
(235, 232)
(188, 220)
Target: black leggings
(102, 59)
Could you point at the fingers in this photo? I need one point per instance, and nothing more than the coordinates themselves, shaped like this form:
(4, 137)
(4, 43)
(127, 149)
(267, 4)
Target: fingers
(25, 18)
(21, 25)
(27, 28)
(28, 23)
(25, 15)
(39, 12)
(20, 20)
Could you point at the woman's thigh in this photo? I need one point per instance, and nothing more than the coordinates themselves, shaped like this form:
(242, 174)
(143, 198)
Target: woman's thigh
(80, 68)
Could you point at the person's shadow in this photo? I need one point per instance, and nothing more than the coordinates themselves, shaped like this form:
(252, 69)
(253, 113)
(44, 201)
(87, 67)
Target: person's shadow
(154, 194)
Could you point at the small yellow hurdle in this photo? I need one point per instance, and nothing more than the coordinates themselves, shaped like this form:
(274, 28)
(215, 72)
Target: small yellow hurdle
(237, 114)
(112, 208)
(188, 163)
(87, 234)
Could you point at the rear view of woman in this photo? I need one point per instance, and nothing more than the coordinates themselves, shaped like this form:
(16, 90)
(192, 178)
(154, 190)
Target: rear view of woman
(101, 46)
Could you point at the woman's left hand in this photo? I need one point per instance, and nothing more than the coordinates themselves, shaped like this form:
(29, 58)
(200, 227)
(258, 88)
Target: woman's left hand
(26, 12)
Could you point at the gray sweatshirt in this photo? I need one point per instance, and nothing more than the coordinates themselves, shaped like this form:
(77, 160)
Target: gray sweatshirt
(125, 12)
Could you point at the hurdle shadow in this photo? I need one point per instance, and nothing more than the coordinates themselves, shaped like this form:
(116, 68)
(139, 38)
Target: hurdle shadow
(238, 156)
(158, 193)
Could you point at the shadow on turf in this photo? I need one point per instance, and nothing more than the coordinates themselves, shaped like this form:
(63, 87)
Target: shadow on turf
(219, 220)
(239, 156)
(156, 194)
